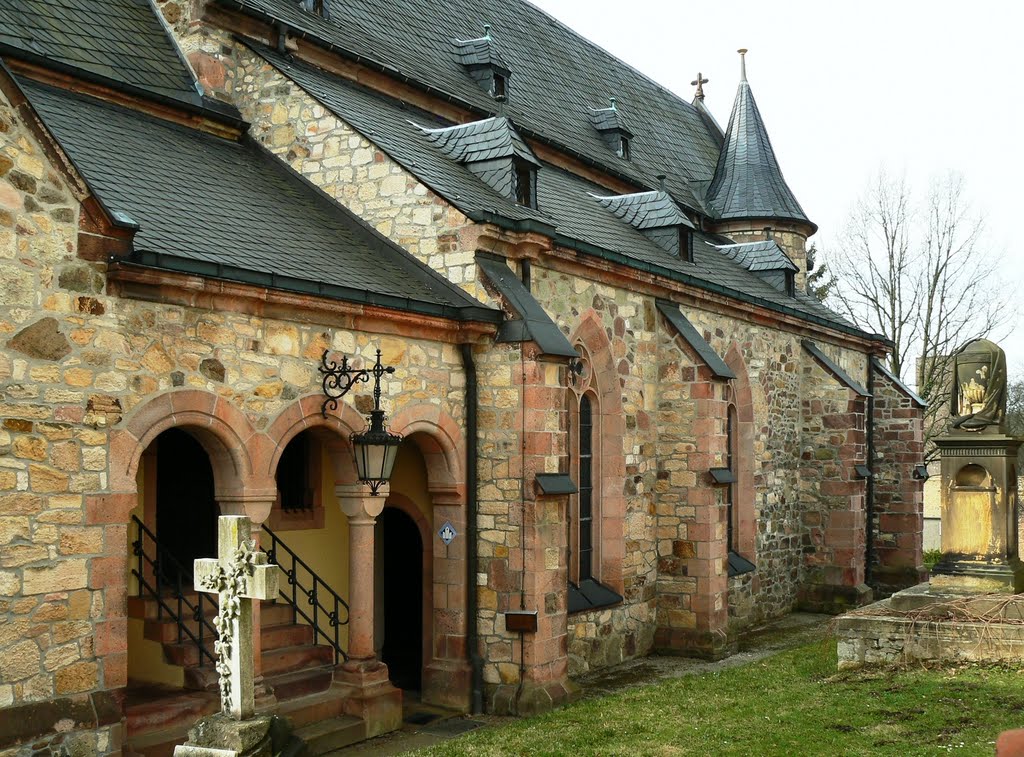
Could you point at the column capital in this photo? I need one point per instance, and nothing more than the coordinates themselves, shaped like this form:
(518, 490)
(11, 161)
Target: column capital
(255, 503)
(357, 502)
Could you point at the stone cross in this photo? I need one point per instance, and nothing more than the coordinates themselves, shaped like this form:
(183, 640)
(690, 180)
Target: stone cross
(699, 83)
(239, 574)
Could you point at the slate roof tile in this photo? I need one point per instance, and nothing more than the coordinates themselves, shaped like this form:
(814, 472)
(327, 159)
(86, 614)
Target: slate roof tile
(748, 182)
(759, 256)
(565, 201)
(122, 41)
(223, 206)
(558, 77)
(481, 140)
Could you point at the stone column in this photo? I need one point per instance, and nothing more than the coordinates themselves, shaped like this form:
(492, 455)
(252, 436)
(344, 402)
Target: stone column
(370, 694)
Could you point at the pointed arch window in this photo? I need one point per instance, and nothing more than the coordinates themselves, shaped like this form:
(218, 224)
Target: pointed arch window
(585, 515)
(730, 490)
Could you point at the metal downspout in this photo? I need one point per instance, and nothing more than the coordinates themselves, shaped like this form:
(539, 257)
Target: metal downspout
(869, 422)
(472, 635)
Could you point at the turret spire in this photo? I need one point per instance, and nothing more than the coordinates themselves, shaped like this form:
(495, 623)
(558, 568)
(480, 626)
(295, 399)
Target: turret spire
(748, 182)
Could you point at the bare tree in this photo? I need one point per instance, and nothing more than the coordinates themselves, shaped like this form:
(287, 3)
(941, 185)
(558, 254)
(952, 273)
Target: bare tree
(921, 274)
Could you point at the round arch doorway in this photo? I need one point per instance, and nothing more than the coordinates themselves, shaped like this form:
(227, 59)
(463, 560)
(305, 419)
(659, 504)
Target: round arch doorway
(186, 507)
(401, 593)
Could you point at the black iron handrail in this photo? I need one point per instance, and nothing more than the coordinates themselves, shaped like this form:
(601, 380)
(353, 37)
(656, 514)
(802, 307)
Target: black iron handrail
(318, 588)
(180, 609)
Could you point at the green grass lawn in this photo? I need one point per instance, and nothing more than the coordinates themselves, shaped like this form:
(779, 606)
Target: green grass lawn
(793, 703)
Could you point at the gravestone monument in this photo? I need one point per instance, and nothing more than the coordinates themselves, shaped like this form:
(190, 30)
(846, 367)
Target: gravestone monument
(979, 480)
(239, 574)
(970, 609)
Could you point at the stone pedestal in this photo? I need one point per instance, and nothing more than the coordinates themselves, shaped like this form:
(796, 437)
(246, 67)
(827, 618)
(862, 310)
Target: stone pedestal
(370, 695)
(979, 514)
(222, 736)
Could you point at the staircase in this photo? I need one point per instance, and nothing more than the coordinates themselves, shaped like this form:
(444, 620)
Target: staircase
(296, 670)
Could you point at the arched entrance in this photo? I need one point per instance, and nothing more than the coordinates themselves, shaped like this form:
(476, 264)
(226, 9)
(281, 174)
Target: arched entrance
(401, 590)
(186, 507)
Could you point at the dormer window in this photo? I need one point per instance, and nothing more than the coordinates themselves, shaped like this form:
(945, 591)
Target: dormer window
(609, 124)
(494, 151)
(526, 183)
(686, 244)
(320, 8)
(766, 260)
(484, 63)
(500, 88)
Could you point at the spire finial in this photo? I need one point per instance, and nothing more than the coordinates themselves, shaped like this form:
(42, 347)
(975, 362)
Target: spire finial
(487, 31)
(743, 63)
(611, 102)
(699, 83)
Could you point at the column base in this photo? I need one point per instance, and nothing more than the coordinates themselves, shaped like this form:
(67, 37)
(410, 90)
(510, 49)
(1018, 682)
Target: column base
(507, 699)
(448, 683)
(690, 642)
(979, 577)
(832, 599)
(370, 695)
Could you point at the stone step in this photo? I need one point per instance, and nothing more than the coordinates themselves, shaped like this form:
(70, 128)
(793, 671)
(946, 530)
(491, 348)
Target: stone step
(301, 684)
(335, 733)
(157, 743)
(157, 709)
(288, 659)
(186, 654)
(285, 635)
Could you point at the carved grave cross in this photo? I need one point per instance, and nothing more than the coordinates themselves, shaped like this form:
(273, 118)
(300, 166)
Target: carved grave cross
(239, 574)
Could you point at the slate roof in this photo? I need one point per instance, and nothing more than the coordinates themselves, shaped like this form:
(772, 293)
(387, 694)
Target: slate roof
(227, 209)
(646, 210)
(566, 208)
(748, 182)
(759, 256)
(120, 41)
(481, 140)
(557, 75)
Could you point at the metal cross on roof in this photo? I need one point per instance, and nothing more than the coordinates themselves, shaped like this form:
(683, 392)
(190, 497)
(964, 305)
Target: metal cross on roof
(699, 83)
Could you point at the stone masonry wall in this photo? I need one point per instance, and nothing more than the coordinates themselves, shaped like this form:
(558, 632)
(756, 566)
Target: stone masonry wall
(898, 497)
(833, 493)
(76, 364)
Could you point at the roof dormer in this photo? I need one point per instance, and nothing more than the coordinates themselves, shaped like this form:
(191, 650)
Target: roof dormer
(493, 150)
(765, 260)
(320, 8)
(481, 58)
(608, 122)
(656, 216)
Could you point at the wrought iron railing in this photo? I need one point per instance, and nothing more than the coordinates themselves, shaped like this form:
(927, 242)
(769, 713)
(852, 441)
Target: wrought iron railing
(171, 594)
(160, 576)
(323, 609)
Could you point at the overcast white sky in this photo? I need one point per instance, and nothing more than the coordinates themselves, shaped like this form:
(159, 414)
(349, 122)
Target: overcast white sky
(919, 87)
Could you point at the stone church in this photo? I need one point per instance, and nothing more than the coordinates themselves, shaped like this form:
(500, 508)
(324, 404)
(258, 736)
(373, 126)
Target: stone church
(626, 427)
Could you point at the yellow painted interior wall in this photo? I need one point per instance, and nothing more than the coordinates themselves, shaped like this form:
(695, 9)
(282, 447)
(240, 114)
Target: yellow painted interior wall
(146, 659)
(325, 549)
(409, 477)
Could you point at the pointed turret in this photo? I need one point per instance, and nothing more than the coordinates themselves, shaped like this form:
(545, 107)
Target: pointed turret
(748, 198)
(748, 182)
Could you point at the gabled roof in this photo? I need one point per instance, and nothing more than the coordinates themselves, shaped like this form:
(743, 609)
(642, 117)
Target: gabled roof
(646, 210)
(121, 41)
(481, 140)
(748, 182)
(759, 256)
(570, 214)
(558, 75)
(481, 52)
(225, 209)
